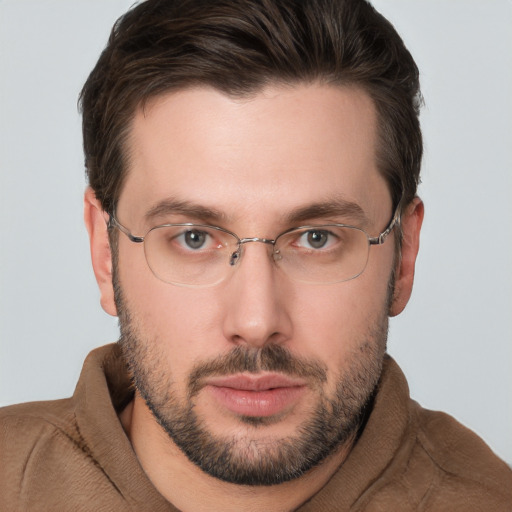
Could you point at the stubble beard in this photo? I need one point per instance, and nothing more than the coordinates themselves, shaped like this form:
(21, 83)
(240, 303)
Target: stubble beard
(246, 459)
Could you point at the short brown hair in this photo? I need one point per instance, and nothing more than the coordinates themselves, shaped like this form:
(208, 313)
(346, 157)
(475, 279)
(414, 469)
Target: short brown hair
(238, 47)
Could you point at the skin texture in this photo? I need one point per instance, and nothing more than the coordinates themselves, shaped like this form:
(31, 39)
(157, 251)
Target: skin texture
(253, 162)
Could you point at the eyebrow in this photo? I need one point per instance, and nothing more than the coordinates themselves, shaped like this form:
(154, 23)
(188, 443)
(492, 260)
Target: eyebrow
(332, 208)
(170, 206)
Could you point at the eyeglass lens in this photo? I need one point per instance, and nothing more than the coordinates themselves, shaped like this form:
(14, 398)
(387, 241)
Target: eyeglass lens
(200, 255)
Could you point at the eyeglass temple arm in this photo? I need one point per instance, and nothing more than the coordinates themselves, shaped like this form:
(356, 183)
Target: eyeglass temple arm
(114, 223)
(395, 221)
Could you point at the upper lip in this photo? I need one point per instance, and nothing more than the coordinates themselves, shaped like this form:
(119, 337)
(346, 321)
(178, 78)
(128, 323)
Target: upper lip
(255, 382)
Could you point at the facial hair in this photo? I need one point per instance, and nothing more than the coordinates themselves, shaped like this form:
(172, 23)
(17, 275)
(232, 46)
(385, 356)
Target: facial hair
(246, 458)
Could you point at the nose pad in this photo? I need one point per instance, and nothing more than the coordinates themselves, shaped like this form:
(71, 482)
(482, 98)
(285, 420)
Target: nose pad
(234, 257)
(276, 254)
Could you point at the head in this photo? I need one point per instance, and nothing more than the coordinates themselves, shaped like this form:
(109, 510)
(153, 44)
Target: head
(238, 48)
(258, 117)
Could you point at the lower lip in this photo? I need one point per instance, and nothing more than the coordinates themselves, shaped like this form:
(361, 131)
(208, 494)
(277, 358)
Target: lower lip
(263, 403)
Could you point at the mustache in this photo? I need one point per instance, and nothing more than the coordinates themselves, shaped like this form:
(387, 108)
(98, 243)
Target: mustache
(270, 358)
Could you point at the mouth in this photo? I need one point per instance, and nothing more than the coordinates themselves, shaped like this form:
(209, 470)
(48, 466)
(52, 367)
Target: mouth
(256, 395)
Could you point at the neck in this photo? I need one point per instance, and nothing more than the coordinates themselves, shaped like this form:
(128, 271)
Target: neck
(189, 489)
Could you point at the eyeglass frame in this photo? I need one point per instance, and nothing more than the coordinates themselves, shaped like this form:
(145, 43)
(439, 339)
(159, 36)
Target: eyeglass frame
(372, 240)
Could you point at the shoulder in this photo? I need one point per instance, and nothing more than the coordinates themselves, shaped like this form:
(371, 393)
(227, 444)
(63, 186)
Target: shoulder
(424, 460)
(27, 430)
(41, 448)
(456, 449)
(465, 473)
(23, 425)
(441, 466)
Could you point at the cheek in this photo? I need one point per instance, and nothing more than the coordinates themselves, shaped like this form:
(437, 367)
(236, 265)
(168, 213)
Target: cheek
(337, 321)
(178, 322)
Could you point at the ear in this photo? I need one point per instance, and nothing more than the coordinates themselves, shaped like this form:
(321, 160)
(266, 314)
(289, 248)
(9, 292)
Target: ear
(404, 278)
(96, 223)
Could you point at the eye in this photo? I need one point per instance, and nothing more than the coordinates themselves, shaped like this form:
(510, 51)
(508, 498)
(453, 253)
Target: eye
(316, 239)
(194, 239)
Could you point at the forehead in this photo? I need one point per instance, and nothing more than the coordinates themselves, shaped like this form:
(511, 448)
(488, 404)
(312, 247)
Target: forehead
(278, 150)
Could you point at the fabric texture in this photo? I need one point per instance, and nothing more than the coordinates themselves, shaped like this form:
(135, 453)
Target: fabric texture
(73, 454)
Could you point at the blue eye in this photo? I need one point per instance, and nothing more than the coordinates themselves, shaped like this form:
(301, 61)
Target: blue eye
(315, 239)
(194, 239)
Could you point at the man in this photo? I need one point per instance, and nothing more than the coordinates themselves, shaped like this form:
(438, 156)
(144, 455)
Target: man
(253, 220)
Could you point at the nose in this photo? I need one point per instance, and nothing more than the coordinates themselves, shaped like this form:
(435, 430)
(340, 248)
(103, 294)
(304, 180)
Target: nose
(257, 303)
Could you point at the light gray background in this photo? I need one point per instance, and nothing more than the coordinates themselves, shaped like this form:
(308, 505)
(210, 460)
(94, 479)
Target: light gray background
(454, 339)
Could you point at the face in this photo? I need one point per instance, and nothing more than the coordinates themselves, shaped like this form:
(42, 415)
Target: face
(259, 377)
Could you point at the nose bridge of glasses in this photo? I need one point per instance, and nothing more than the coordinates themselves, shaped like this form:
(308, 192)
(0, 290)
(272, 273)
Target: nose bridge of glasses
(235, 256)
(256, 239)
